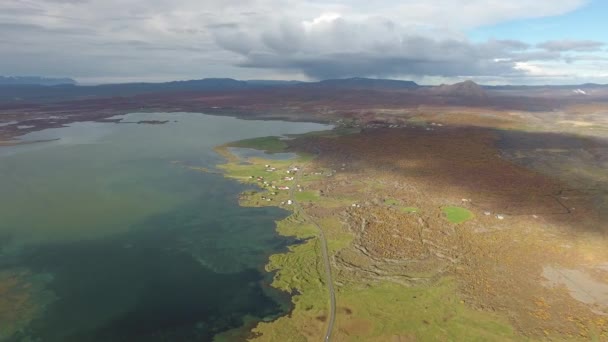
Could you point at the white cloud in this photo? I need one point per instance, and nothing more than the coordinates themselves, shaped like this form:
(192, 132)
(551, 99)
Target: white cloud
(323, 19)
(537, 70)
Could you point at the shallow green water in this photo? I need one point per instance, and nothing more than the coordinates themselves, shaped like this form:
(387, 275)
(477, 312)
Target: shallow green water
(111, 237)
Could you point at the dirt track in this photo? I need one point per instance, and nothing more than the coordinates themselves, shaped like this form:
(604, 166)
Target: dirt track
(325, 256)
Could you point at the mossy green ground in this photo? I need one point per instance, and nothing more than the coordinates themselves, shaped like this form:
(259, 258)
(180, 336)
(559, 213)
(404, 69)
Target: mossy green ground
(377, 311)
(388, 311)
(266, 144)
(399, 206)
(457, 214)
(391, 201)
(299, 270)
(307, 196)
(334, 133)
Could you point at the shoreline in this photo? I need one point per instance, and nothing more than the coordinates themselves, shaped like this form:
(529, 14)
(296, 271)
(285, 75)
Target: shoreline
(306, 239)
(49, 119)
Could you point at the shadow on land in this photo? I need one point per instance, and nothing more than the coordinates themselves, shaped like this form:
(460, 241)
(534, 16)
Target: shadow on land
(559, 176)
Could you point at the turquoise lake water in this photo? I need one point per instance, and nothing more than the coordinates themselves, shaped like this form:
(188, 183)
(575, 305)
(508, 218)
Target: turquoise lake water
(106, 234)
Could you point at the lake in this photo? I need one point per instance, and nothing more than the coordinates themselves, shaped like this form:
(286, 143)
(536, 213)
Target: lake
(107, 234)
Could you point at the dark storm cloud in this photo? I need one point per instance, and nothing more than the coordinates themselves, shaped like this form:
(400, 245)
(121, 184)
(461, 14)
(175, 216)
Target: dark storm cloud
(339, 50)
(350, 65)
(572, 45)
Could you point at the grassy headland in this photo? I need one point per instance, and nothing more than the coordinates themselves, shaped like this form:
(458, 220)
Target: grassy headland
(368, 308)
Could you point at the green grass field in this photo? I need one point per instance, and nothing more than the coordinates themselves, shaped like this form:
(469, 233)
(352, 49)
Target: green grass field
(385, 310)
(306, 196)
(266, 144)
(457, 214)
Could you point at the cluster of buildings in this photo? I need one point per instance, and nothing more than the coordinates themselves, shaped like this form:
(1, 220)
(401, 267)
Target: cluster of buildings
(270, 184)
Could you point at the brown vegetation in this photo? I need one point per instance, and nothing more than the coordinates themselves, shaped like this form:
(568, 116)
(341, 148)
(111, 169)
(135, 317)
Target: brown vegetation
(524, 222)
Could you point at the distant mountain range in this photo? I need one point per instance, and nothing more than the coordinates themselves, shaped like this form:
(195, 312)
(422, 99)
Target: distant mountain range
(367, 83)
(35, 80)
(41, 89)
(37, 90)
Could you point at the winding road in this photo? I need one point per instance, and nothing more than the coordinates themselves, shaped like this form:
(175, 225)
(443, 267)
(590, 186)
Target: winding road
(325, 254)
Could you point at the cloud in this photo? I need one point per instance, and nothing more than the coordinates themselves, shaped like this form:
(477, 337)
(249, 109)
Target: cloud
(257, 38)
(572, 45)
(334, 54)
(331, 46)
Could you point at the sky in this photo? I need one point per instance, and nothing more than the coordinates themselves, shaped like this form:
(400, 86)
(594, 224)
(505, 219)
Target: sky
(430, 41)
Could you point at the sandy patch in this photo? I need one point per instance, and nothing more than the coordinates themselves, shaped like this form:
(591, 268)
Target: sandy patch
(581, 287)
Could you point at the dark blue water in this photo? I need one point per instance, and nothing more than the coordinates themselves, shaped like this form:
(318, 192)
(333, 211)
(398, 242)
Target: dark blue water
(108, 235)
